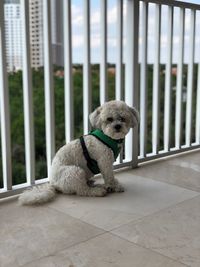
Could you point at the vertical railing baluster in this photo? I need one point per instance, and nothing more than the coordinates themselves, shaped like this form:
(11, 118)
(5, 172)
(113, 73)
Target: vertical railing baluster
(28, 96)
(143, 81)
(69, 107)
(119, 53)
(198, 108)
(103, 60)
(156, 82)
(168, 82)
(49, 87)
(4, 109)
(86, 68)
(131, 75)
(178, 120)
(190, 80)
(119, 60)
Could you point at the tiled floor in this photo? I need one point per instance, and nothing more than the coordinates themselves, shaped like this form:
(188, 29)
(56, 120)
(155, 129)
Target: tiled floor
(155, 222)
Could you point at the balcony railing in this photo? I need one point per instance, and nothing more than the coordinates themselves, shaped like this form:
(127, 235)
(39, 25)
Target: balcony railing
(136, 86)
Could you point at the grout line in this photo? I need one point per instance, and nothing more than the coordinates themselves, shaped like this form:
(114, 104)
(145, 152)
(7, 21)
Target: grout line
(136, 221)
(164, 182)
(96, 236)
(144, 218)
(63, 249)
(98, 227)
(78, 219)
(111, 230)
(132, 221)
(156, 252)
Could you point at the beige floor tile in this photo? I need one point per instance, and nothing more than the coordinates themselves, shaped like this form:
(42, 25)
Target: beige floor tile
(174, 232)
(193, 157)
(142, 197)
(106, 251)
(183, 171)
(28, 233)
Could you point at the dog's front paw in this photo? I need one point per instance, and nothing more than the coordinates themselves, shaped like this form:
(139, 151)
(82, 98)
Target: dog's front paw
(99, 192)
(115, 188)
(119, 188)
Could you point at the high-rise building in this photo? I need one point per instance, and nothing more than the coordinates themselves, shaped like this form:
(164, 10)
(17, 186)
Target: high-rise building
(57, 32)
(36, 32)
(13, 34)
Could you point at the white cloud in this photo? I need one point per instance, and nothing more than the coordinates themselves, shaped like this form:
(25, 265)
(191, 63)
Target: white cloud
(112, 42)
(77, 16)
(78, 38)
(95, 18)
(95, 41)
(78, 41)
(112, 15)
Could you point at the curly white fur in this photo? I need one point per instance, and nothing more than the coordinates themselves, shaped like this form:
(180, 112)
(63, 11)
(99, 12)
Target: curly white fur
(37, 195)
(69, 171)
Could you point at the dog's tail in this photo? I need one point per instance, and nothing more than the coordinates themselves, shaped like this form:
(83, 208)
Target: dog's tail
(37, 195)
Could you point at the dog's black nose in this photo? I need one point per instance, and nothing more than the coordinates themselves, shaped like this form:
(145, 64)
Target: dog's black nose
(118, 127)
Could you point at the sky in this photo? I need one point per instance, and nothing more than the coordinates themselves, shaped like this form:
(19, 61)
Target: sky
(78, 37)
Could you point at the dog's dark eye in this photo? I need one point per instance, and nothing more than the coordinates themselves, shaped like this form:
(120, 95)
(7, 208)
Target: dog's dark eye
(122, 119)
(110, 119)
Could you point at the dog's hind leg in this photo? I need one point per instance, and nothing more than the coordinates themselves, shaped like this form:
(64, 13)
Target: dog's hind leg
(72, 180)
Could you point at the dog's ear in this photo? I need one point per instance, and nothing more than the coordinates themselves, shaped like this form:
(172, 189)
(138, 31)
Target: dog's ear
(135, 117)
(95, 118)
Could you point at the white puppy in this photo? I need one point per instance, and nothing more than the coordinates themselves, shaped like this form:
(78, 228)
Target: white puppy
(76, 162)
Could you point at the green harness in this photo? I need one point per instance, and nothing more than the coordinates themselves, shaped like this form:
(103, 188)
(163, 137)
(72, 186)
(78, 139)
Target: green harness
(113, 144)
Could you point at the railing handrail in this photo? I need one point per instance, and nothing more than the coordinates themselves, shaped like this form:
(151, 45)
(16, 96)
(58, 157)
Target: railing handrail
(174, 3)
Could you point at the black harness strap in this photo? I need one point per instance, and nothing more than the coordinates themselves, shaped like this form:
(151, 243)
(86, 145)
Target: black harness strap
(91, 163)
(85, 151)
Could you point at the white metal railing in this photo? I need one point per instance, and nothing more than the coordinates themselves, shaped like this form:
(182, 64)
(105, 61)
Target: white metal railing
(4, 109)
(49, 90)
(134, 94)
(87, 98)
(179, 119)
(180, 80)
(28, 97)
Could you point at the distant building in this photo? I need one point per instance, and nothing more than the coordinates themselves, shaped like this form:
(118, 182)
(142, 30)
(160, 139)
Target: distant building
(13, 34)
(173, 71)
(60, 74)
(36, 33)
(57, 32)
(111, 70)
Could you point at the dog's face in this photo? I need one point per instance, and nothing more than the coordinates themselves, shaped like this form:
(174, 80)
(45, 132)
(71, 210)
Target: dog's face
(114, 118)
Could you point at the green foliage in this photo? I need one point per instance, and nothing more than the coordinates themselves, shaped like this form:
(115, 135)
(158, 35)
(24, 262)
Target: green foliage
(17, 127)
(17, 112)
